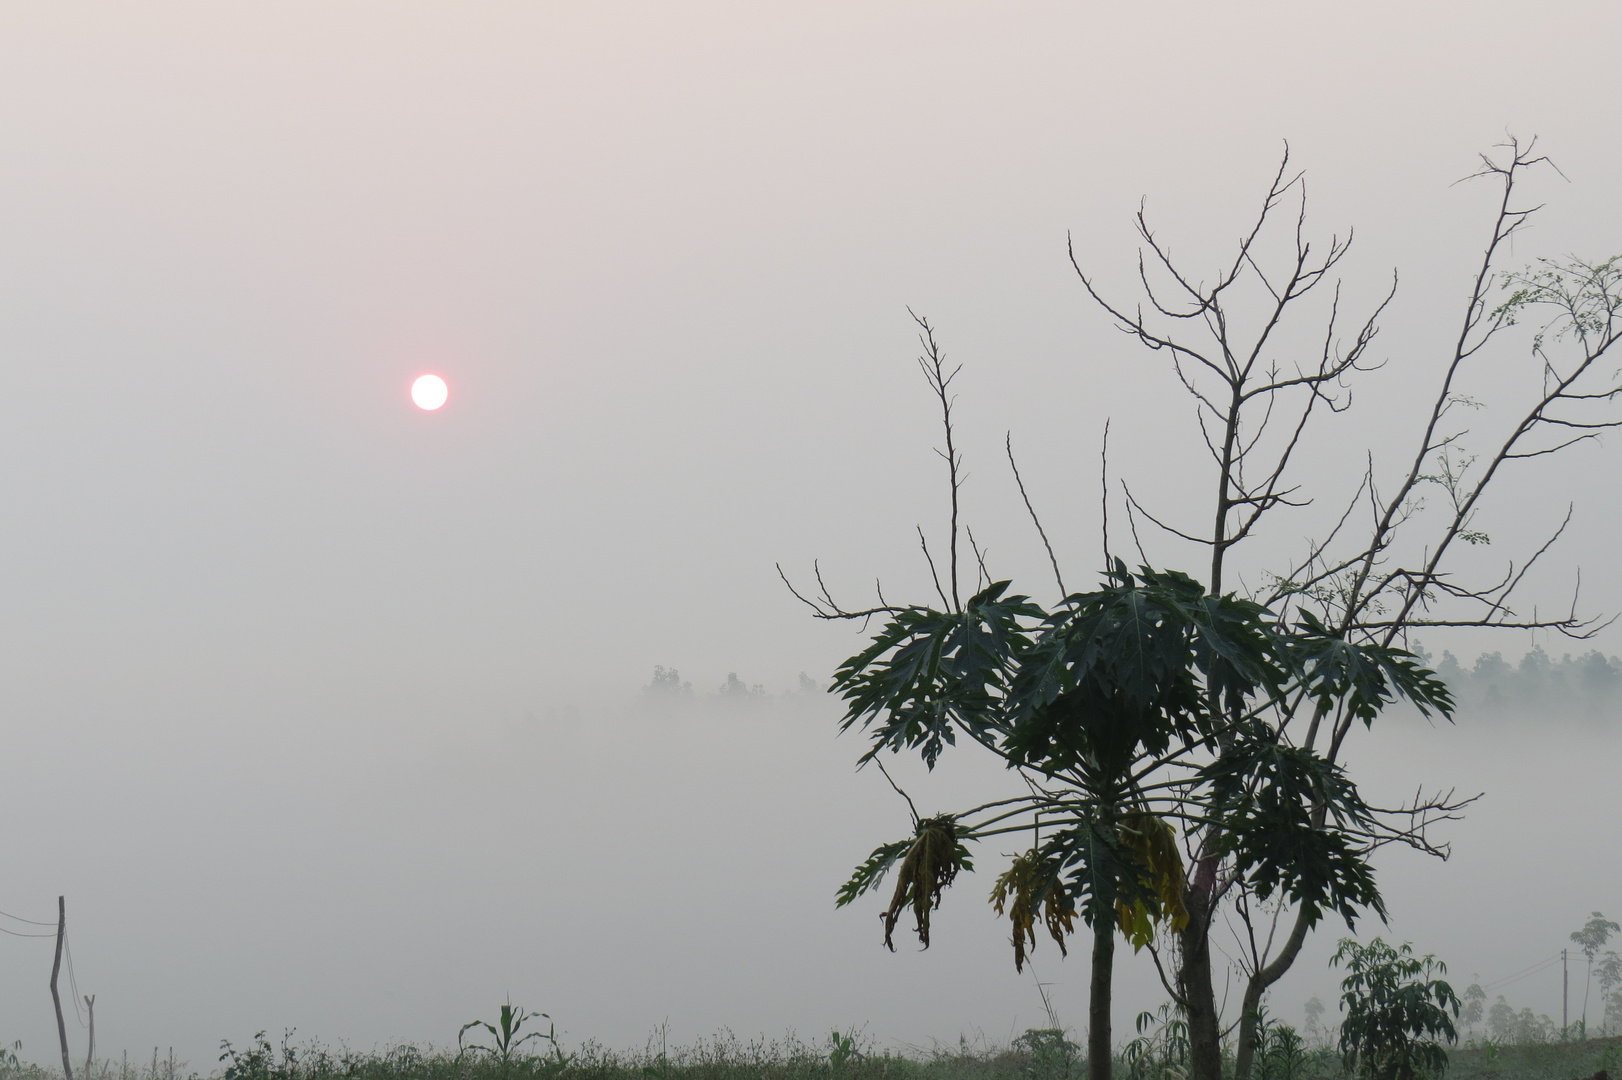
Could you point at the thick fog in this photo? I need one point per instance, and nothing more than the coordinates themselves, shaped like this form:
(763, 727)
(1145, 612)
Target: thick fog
(328, 713)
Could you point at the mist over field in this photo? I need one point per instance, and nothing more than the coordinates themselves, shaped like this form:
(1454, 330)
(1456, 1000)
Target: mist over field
(626, 863)
(330, 714)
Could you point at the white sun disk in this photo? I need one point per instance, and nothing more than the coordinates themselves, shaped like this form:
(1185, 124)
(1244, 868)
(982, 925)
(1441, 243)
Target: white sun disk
(429, 392)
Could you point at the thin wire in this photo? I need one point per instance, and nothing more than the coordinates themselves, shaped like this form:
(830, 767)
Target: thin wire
(16, 933)
(1529, 967)
(72, 980)
(1540, 966)
(19, 918)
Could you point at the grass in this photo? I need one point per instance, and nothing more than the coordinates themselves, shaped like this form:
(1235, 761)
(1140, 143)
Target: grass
(725, 1056)
(1540, 1061)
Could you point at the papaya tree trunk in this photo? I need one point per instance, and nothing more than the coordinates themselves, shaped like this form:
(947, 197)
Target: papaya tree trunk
(1194, 978)
(1100, 1061)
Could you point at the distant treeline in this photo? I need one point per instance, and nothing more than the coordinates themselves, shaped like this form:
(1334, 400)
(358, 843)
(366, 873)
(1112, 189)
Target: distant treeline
(1590, 682)
(1587, 683)
(668, 687)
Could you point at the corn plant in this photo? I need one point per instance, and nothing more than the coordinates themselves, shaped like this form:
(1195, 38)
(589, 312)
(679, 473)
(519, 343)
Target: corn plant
(1281, 1052)
(843, 1048)
(505, 1037)
(1161, 1051)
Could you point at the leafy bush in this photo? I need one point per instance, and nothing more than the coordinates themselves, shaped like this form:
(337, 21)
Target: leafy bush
(1395, 1011)
(1052, 1056)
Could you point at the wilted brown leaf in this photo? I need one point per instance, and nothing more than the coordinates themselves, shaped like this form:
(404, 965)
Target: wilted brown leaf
(1013, 894)
(930, 866)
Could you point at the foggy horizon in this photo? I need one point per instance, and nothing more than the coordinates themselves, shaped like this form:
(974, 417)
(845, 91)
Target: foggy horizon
(330, 713)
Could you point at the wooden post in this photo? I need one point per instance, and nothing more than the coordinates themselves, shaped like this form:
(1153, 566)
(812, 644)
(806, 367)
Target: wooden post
(90, 1056)
(56, 999)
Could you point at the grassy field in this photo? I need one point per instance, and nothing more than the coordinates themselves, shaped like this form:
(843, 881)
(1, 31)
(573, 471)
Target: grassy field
(727, 1057)
(1547, 1061)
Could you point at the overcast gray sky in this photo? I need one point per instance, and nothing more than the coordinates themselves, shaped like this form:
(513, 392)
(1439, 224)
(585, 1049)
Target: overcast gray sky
(317, 706)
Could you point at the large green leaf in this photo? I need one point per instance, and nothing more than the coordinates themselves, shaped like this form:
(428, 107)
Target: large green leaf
(1365, 677)
(928, 673)
(1265, 799)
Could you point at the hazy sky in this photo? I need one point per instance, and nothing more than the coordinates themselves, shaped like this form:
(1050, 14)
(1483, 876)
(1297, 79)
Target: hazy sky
(317, 706)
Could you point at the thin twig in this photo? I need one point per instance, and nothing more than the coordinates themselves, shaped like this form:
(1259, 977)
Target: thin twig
(1008, 443)
(910, 805)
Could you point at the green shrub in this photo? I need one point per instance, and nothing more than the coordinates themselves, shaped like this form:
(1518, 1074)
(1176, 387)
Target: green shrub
(1395, 1012)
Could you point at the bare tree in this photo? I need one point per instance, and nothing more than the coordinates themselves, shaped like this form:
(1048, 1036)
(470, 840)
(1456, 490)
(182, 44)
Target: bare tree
(1386, 566)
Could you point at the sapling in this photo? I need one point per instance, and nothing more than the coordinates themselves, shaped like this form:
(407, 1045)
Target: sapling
(1396, 1012)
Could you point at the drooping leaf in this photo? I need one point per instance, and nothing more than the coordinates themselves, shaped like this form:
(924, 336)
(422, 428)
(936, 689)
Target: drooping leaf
(930, 865)
(1161, 876)
(871, 873)
(1029, 886)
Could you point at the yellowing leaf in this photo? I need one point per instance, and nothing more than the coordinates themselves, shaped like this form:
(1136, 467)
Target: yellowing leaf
(929, 867)
(1013, 893)
(1155, 842)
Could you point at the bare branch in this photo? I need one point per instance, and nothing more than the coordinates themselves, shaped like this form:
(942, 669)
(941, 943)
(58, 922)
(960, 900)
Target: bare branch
(1008, 443)
(827, 609)
(1133, 502)
(936, 578)
(1103, 490)
(933, 365)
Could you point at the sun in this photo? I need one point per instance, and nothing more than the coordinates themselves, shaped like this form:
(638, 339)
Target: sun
(429, 392)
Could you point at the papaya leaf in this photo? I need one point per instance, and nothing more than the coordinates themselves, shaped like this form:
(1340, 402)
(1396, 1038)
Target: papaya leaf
(1031, 885)
(871, 873)
(930, 865)
(929, 673)
(1265, 796)
(1364, 676)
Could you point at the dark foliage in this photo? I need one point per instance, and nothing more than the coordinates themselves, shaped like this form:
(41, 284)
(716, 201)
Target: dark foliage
(1397, 1015)
(1146, 678)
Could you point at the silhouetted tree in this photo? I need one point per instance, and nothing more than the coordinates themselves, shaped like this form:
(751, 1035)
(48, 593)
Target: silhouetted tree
(1591, 939)
(667, 684)
(1375, 584)
(1475, 1004)
(1128, 711)
(735, 689)
(1609, 973)
(1250, 783)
